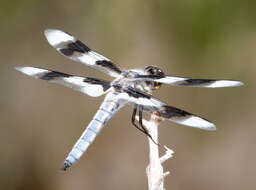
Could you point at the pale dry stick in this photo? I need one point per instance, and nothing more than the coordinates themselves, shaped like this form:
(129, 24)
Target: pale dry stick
(155, 170)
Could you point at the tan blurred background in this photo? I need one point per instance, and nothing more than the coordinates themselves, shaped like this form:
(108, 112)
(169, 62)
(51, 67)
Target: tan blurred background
(40, 122)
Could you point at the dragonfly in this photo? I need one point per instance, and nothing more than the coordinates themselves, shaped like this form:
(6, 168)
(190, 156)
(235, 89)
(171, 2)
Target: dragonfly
(132, 87)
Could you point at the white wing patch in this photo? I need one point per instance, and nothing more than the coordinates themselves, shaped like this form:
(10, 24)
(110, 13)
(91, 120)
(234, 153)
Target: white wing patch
(93, 90)
(225, 83)
(170, 80)
(197, 122)
(86, 58)
(56, 37)
(31, 70)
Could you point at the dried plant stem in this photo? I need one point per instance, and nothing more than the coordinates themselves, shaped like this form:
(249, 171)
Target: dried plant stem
(154, 170)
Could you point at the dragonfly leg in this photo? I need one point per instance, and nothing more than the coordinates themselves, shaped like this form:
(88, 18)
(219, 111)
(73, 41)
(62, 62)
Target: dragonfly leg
(133, 118)
(141, 124)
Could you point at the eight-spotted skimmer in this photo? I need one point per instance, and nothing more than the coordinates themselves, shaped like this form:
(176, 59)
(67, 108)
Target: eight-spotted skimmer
(129, 86)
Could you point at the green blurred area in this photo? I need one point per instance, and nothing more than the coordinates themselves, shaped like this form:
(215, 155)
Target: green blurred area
(40, 122)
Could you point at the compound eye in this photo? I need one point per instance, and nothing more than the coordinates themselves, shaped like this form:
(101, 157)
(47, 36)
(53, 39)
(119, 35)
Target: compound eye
(160, 72)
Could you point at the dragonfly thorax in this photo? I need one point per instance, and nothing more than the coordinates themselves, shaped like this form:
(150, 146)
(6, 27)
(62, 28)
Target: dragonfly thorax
(127, 79)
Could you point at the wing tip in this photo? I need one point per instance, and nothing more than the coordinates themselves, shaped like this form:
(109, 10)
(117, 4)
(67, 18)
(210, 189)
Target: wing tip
(198, 122)
(23, 69)
(19, 68)
(239, 83)
(48, 31)
(206, 125)
(233, 83)
(55, 36)
(211, 127)
(226, 83)
(29, 70)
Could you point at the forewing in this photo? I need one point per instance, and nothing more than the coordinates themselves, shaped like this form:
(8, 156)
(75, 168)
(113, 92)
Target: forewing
(154, 106)
(90, 86)
(179, 81)
(76, 50)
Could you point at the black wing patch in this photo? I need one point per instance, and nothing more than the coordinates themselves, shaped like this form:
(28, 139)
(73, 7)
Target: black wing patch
(51, 75)
(109, 65)
(76, 46)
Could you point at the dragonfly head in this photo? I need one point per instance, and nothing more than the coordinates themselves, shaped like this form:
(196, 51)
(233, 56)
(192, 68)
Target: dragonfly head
(157, 72)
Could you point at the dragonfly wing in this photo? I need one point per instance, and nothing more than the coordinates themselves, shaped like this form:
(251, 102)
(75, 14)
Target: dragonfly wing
(154, 106)
(182, 117)
(76, 50)
(90, 86)
(189, 82)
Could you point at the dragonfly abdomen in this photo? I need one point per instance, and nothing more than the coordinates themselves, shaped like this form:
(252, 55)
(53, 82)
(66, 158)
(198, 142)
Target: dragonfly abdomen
(107, 109)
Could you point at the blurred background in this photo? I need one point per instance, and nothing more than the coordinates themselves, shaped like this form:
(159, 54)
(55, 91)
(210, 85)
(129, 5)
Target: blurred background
(40, 122)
